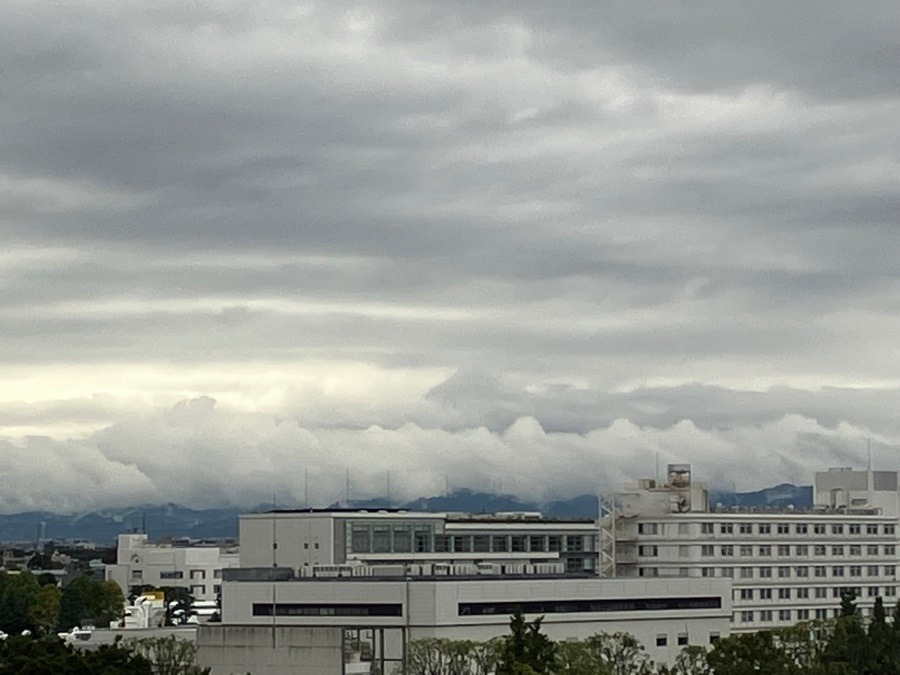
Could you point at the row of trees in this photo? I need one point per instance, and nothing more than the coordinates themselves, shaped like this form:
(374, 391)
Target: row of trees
(29, 602)
(148, 656)
(847, 645)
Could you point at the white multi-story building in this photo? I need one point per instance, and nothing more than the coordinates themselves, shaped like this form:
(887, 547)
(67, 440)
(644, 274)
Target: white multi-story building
(197, 568)
(784, 566)
(307, 538)
(276, 622)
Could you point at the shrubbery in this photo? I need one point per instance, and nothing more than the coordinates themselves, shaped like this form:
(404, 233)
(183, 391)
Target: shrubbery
(27, 605)
(847, 645)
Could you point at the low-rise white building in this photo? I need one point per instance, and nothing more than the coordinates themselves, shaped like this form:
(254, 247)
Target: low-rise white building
(261, 608)
(784, 565)
(197, 568)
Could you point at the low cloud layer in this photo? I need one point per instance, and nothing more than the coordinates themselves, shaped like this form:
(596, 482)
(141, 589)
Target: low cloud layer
(203, 454)
(432, 236)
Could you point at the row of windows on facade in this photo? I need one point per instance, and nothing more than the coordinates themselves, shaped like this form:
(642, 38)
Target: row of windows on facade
(662, 639)
(573, 563)
(556, 606)
(195, 574)
(783, 529)
(368, 539)
(782, 571)
(137, 575)
(195, 589)
(805, 593)
(800, 550)
(768, 615)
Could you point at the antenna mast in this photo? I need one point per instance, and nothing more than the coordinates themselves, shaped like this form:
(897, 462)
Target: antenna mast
(347, 489)
(306, 487)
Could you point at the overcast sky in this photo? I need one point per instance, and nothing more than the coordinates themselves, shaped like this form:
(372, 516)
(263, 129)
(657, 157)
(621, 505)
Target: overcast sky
(529, 242)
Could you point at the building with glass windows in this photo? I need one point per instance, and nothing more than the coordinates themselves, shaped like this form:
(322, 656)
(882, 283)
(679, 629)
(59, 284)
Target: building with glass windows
(275, 621)
(785, 565)
(309, 538)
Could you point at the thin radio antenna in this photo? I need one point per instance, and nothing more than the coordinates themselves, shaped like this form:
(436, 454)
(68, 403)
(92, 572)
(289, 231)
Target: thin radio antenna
(347, 488)
(306, 487)
(274, 532)
(274, 565)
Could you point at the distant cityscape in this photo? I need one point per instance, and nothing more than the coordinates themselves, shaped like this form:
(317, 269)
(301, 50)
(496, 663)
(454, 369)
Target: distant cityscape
(663, 559)
(101, 527)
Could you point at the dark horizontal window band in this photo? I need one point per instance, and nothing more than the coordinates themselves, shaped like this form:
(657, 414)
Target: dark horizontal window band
(343, 609)
(577, 606)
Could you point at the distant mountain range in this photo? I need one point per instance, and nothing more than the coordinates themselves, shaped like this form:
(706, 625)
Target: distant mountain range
(179, 521)
(778, 497)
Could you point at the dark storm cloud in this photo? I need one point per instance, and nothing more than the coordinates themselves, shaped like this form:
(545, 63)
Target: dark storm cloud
(831, 50)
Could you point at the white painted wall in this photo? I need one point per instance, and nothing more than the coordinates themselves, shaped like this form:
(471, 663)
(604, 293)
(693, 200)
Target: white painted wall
(138, 562)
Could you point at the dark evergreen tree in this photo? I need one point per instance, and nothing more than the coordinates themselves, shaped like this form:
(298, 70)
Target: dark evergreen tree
(26, 656)
(848, 602)
(19, 593)
(76, 604)
(526, 649)
(848, 650)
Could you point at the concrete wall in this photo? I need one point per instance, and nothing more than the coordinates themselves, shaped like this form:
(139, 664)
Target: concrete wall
(696, 625)
(264, 650)
(431, 607)
(302, 540)
(142, 563)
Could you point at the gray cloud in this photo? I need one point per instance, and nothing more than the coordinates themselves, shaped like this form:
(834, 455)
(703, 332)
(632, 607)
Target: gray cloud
(596, 215)
(166, 456)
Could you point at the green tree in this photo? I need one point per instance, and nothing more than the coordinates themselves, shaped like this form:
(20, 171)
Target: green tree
(526, 649)
(621, 653)
(45, 578)
(19, 593)
(182, 599)
(848, 602)
(44, 612)
(77, 603)
(427, 656)
(440, 656)
(576, 658)
(805, 643)
(882, 643)
(750, 654)
(485, 656)
(85, 600)
(169, 655)
(849, 647)
(107, 603)
(25, 656)
(692, 660)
